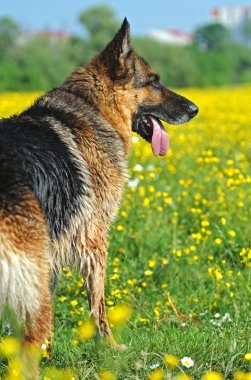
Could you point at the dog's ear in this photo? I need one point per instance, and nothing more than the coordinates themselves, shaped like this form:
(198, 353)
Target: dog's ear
(122, 39)
(116, 54)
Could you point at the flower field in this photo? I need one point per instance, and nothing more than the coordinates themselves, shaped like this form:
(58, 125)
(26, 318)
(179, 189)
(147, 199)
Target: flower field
(178, 279)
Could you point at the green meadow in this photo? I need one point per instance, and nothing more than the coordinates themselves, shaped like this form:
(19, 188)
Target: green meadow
(179, 259)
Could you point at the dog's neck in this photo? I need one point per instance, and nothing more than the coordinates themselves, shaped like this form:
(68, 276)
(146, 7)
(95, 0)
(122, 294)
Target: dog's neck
(85, 81)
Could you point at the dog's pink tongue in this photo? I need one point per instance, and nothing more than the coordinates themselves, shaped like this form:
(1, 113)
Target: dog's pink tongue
(160, 139)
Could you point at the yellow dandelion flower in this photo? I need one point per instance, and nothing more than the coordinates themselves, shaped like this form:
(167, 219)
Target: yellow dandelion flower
(15, 369)
(74, 303)
(62, 298)
(218, 275)
(171, 361)
(68, 275)
(9, 347)
(107, 375)
(218, 241)
(164, 261)
(183, 376)
(119, 314)
(212, 375)
(157, 374)
(247, 356)
(142, 191)
(87, 330)
(143, 320)
(151, 189)
(168, 200)
(205, 223)
(74, 342)
(242, 375)
(151, 263)
(132, 282)
(44, 349)
(232, 233)
(53, 373)
(116, 293)
(115, 276)
(146, 202)
(80, 283)
(148, 272)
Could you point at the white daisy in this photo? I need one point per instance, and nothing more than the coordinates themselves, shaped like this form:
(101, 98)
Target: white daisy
(135, 139)
(187, 362)
(150, 168)
(138, 168)
(226, 318)
(133, 183)
(153, 366)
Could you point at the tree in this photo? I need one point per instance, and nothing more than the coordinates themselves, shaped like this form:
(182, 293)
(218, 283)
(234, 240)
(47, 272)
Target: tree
(9, 30)
(212, 37)
(101, 25)
(175, 64)
(247, 32)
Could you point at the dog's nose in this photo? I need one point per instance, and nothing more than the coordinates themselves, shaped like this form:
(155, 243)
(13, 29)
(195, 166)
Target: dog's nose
(193, 110)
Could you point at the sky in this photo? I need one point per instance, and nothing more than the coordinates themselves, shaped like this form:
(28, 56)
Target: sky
(143, 15)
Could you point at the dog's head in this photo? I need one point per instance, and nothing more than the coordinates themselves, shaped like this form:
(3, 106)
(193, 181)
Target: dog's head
(133, 97)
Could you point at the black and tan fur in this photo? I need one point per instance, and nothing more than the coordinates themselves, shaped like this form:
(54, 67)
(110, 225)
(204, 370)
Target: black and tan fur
(63, 165)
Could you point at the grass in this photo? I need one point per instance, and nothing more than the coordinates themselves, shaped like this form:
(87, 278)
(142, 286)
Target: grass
(179, 254)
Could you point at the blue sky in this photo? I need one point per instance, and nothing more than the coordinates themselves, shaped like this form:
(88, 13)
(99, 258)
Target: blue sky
(143, 15)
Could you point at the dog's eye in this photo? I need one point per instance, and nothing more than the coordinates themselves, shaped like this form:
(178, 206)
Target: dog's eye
(156, 84)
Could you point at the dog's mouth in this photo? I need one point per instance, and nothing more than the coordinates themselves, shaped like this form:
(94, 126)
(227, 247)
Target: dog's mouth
(151, 129)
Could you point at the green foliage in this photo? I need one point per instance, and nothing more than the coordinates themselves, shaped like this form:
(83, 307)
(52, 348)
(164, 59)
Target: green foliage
(8, 32)
(175, 64)
(247, 29)
(99, 20)
(214, 68)
(30, 62)
(212, 36)
(101, 24)
(38, 63)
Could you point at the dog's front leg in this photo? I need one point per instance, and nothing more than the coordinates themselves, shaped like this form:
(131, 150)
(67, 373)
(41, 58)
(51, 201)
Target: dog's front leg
(95, 284)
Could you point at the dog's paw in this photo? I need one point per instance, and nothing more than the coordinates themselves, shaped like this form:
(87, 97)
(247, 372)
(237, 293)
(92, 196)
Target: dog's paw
(116, 346)
(121, 347)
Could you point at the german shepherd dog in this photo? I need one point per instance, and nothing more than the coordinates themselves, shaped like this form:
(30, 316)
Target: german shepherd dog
(63, 166)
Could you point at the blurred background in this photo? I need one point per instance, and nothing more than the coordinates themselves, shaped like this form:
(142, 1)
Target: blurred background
(191, 44)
